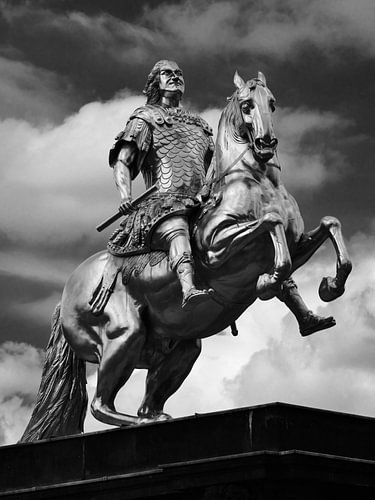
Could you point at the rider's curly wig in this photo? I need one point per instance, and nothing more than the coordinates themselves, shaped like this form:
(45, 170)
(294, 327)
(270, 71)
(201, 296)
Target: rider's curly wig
(152, 90)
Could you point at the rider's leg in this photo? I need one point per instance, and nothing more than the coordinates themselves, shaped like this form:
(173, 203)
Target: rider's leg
(308, 321)
(165, 375)
(173, 235)
(122, 347)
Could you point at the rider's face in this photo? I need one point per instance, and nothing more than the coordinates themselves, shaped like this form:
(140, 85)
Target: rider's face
(171, 78)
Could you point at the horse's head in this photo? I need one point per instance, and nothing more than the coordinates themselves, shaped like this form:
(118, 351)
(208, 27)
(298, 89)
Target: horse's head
(254, 105)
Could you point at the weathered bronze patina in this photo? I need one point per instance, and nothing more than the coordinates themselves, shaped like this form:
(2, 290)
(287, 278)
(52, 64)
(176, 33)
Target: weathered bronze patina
(248, 239)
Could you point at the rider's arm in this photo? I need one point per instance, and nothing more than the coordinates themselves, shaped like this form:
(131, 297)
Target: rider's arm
(126, 157)
(122, 176)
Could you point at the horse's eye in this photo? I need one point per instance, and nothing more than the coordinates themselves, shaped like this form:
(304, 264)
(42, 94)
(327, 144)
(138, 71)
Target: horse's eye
(272, 105)
(246, 107)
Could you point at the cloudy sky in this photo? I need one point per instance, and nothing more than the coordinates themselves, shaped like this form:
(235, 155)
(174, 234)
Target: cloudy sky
(71, 72)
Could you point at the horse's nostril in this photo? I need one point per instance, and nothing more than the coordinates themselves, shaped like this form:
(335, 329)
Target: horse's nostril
(265, 142)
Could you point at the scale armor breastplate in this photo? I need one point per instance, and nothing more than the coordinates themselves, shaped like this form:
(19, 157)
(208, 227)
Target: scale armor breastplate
(177, 158)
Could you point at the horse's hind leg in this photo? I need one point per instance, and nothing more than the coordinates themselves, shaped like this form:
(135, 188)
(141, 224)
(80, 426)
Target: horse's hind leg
(330, 227)
(165, 375)
(125, 338)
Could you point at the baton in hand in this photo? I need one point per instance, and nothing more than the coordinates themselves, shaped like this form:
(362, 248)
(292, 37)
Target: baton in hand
(119, 214)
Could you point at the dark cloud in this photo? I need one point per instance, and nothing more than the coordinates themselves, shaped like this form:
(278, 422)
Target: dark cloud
(102, 50)
(20, 299)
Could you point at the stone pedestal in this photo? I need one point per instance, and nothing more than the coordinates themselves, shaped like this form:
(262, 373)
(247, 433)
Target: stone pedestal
(274, 451)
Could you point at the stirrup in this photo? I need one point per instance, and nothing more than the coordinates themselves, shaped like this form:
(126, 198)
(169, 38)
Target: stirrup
(312, 323)
(195, 297)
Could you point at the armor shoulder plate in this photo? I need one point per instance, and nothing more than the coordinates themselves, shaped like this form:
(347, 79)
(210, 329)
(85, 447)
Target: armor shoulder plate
(138, 131)
(152, 115)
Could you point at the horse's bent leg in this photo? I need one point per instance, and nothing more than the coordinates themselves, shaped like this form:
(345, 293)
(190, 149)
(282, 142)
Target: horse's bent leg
(308, 321)
(166, 375)
(330, 227)
(226, 239)
(121, 353)
(268, 285)
(231, 238)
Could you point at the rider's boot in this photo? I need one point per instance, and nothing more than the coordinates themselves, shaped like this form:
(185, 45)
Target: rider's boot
(191, 295)
(308, 321)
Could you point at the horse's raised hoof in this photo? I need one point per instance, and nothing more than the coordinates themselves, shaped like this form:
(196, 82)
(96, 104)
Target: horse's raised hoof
(312, 323)
(329, 290)
(195, 297)
(266, 289)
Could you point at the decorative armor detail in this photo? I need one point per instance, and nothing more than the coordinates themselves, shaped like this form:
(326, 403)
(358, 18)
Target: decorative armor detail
(135, 232)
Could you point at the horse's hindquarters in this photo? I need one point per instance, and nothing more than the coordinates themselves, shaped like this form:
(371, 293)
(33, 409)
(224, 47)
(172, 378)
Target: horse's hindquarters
(81, 328)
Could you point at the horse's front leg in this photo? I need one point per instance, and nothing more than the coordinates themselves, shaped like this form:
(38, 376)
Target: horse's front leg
(330, 227)
(268, 285)
(229, 238)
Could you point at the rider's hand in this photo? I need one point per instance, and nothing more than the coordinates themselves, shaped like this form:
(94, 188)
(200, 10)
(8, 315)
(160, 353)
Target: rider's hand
(126, 206)
(203, 194)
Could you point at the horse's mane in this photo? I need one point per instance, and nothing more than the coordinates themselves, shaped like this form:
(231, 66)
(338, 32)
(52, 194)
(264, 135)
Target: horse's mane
(232, 118)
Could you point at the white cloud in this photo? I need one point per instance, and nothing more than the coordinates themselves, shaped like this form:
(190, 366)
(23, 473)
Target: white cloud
(14, 416)
(19, 368)
(332, 369)
(20, 372)
(57, 186)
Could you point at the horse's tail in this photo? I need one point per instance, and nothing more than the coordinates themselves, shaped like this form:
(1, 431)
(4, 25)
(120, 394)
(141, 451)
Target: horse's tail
(61, 403)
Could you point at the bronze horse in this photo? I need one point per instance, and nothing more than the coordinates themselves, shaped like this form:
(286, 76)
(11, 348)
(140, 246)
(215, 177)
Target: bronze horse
(247, 239)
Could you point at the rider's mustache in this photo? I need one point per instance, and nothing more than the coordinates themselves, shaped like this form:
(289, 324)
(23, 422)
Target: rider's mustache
(175, 80)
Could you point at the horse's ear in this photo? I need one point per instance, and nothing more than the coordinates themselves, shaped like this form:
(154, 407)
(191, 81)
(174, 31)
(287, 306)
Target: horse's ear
(262, 78)
(238, 81)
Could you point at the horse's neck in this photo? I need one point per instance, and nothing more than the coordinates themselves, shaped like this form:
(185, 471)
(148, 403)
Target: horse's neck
(228, 150)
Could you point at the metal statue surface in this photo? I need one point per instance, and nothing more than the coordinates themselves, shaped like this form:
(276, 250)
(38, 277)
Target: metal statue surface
(247, 240)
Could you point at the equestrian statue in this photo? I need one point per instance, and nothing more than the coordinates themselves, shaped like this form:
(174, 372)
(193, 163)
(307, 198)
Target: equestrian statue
(215, 230)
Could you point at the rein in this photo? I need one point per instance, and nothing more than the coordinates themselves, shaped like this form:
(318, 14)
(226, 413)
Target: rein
(226, 171)
(213, 182)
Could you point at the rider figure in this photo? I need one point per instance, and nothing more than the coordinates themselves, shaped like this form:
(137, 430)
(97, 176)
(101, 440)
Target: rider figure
(173, 149)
